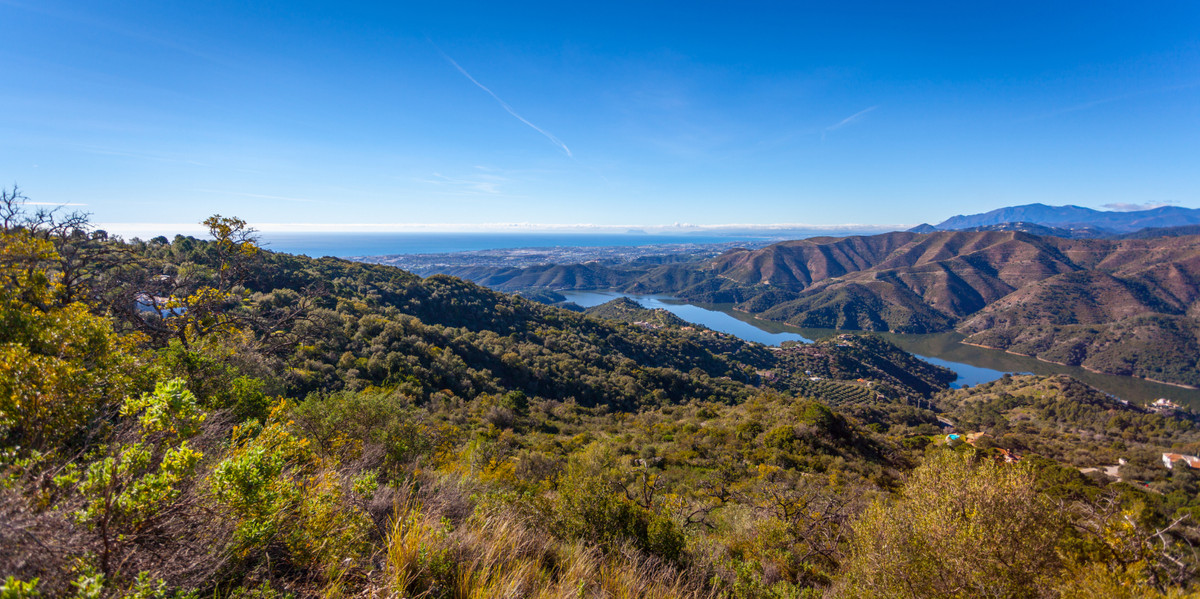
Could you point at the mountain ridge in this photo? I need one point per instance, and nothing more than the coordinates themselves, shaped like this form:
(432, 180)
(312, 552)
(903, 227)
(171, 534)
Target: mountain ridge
(1076, 217)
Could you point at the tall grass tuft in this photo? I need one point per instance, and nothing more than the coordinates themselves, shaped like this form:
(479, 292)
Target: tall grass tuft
(498, 556)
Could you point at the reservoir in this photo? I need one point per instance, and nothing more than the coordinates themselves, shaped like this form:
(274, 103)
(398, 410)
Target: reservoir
(973, 365)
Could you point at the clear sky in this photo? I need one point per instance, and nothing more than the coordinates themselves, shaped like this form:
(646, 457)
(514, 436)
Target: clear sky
(333, 114)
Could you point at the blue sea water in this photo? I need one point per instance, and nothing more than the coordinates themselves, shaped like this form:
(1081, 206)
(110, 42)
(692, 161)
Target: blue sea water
(344, 245)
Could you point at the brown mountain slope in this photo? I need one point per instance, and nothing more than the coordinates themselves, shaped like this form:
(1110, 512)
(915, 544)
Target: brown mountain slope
(958, 274)
(795, 265)
(1163, 348)
(1082, 297)
(1119, 306)
(901, 281)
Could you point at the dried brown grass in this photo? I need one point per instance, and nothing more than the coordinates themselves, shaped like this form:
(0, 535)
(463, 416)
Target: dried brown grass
(500, 556)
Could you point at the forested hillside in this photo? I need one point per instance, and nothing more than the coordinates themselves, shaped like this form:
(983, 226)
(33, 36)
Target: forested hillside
(187, 418)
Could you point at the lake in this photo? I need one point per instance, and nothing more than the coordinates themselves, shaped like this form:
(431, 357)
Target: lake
(973, 365)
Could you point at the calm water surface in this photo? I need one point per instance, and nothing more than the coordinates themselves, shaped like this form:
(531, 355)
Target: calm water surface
(974, 365)
(714, 319)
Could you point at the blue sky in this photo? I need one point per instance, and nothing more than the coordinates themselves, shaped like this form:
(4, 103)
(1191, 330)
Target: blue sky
(324, 115)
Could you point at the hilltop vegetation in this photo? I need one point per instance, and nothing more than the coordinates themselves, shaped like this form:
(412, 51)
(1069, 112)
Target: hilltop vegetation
(623, 309)
(1062, 419)
(185, 418)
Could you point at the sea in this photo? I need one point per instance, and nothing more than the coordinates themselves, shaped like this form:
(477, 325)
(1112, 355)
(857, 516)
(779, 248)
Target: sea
(345, 245)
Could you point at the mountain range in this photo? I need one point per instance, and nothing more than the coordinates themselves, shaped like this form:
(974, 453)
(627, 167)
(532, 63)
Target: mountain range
(1069, 221)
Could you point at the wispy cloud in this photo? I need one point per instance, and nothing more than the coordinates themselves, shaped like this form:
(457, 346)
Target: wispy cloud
(140, 34)
(1126, 207)
(54, 204)
(1109, 100)
(506, 106)
(138, 155)
(483, 184)
(848, 120)
(257, 195)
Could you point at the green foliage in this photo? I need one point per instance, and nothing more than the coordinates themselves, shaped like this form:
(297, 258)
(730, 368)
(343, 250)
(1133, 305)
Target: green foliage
(286, 500)
(89, 585)
(60, 365)
(588, 508)
(171, 411)
(145, 586)
(516, 401)
(262, 591)
(257, 481)
(343, 423)
(961, 526)
(17, 589)
(129, 489)
(818, 415)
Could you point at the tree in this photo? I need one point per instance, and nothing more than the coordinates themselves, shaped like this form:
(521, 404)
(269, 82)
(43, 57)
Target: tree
(60, 365)
(82, 256)
(236, 243)
(195, 302)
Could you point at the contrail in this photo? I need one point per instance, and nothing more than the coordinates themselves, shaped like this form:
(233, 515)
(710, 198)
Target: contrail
(846, 121)
(510, 110)
(850, 119)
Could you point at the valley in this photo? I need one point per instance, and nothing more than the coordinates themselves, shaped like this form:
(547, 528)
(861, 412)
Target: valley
(1125, 307)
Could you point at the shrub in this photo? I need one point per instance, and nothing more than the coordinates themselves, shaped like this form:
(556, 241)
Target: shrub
(961, 527)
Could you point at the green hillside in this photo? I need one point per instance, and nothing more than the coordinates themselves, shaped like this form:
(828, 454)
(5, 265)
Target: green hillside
(628, 311)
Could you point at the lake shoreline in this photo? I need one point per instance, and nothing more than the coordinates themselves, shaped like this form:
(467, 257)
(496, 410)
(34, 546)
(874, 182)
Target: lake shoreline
(974, 363)
(1087, 368)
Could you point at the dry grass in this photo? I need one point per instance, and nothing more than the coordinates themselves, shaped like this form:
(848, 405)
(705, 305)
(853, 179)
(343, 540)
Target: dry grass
(498, 556)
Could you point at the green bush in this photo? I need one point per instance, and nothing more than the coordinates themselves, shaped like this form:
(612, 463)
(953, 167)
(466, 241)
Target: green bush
(587, 507)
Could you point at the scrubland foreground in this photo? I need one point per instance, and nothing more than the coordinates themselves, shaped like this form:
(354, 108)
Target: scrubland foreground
(195, 418)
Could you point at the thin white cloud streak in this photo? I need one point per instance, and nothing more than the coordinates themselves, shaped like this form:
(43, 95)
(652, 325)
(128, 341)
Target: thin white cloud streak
(505, 105)
(850, 119)
(257, 195)
(54, 204)
(1109, 100)
(81, 18)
